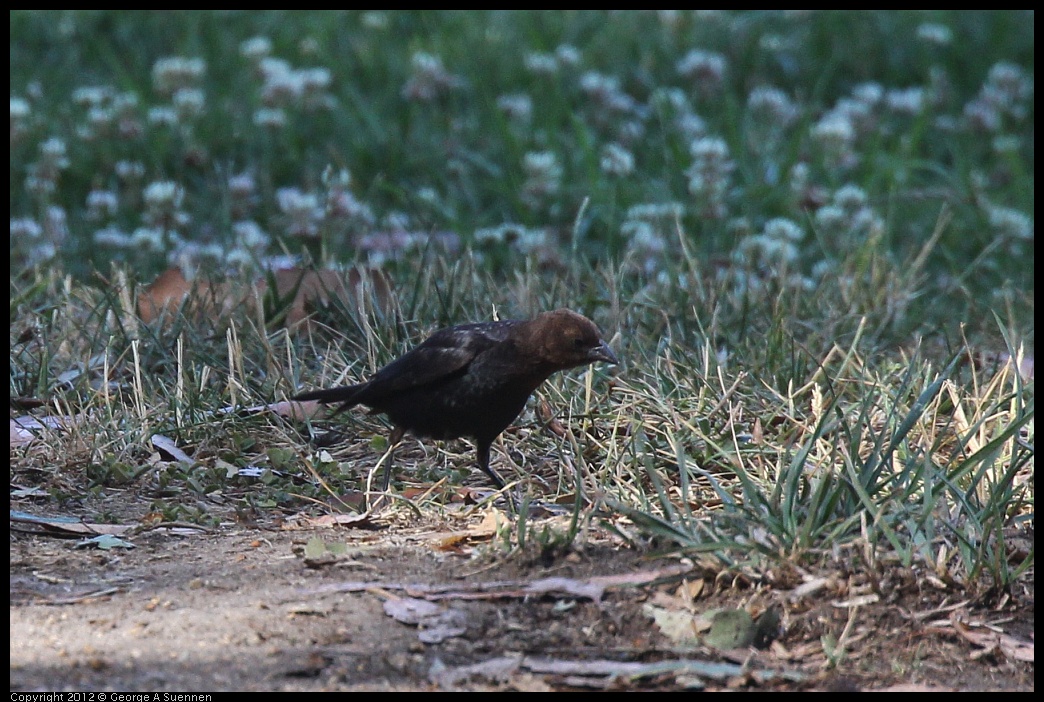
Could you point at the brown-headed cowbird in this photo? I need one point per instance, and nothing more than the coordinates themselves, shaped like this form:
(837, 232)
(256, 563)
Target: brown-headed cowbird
(472, 380)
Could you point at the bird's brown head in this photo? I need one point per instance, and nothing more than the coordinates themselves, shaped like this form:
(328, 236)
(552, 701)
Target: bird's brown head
(564, 339)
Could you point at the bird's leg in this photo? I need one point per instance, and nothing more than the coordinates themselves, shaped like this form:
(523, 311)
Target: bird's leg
(393, 441)
(482, 453)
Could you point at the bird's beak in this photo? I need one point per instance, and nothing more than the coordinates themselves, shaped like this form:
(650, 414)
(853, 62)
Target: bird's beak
(602, 352)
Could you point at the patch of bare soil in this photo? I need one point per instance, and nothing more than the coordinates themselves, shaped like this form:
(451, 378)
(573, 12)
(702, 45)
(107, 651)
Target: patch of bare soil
(408, 605)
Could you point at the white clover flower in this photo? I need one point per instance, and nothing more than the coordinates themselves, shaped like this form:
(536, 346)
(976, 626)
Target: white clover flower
(255, 48)
(858, 113)
(710, 174)
(130, 170)
(429, 79)
(188, 102)
(739, 227)
(910, 101)
(933, 33)
(643, 237)
(41, 186)
(691, 125)
(631, 131)
(616, 160)
(42, 252)
(274, 69)
(99, 118)
(1006, 144)
(343, 204)
(270, 117)
(673, 98)
(163, 116)
(645, 244)
(634, 229)
(1010, 222)
(517, 106)
(774, 42)
(53, 152)
(541, 64)
(125, 102)
(171, 73)
(800, 175)
(671, 19)
(772, 104)
(705, 67)
(600, 86)
(93, 95)
(428, 195)
(830, 217)
(397, 221)
(567, 55)
(375, 20)
(543, 176)
(112, 236)
(294, 201)
(282, 85)
(163, 195)
(1008, 81)
(249, 235)
(834, 130)
(315, 79)
(25, 228)
(302, 211)
(531, 240)
(869, 93)
(542, 164)
(764, 251)
(783, 229)
(982, 115)
(102, 203)
(337, 178)
(148, 239)
(709, 149)
(850, 198)
(652, 211)
(189, 256)
(518, 237)
(867, 222)
(20, 112)
(241, 185)
(491, 235)
(822, 268)
(239, 259)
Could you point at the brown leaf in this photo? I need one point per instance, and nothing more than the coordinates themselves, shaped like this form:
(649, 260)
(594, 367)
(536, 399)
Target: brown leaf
(313, 289)
(165, 294)
(547, 418)
(200, 299)
(298, 291)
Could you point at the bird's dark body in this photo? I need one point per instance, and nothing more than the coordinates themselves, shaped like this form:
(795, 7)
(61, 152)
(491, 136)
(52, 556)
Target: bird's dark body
(432, 392)
(473, 380)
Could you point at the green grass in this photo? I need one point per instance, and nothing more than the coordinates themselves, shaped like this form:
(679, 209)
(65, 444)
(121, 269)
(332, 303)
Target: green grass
(813, 289)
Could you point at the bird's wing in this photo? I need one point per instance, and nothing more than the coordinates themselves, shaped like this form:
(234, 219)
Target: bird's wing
(445, 354)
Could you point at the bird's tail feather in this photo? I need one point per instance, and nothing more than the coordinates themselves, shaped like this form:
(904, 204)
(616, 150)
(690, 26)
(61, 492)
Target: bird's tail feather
(344, 395)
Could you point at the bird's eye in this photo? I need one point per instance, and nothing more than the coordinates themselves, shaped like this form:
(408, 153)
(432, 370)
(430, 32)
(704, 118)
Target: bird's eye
(579, 344)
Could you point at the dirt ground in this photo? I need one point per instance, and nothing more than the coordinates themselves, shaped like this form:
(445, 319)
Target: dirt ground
(420, 602)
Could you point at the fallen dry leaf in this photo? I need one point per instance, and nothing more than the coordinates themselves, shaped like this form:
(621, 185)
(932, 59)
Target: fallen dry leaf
(297, 293)
(993, 641)
(308, 290)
